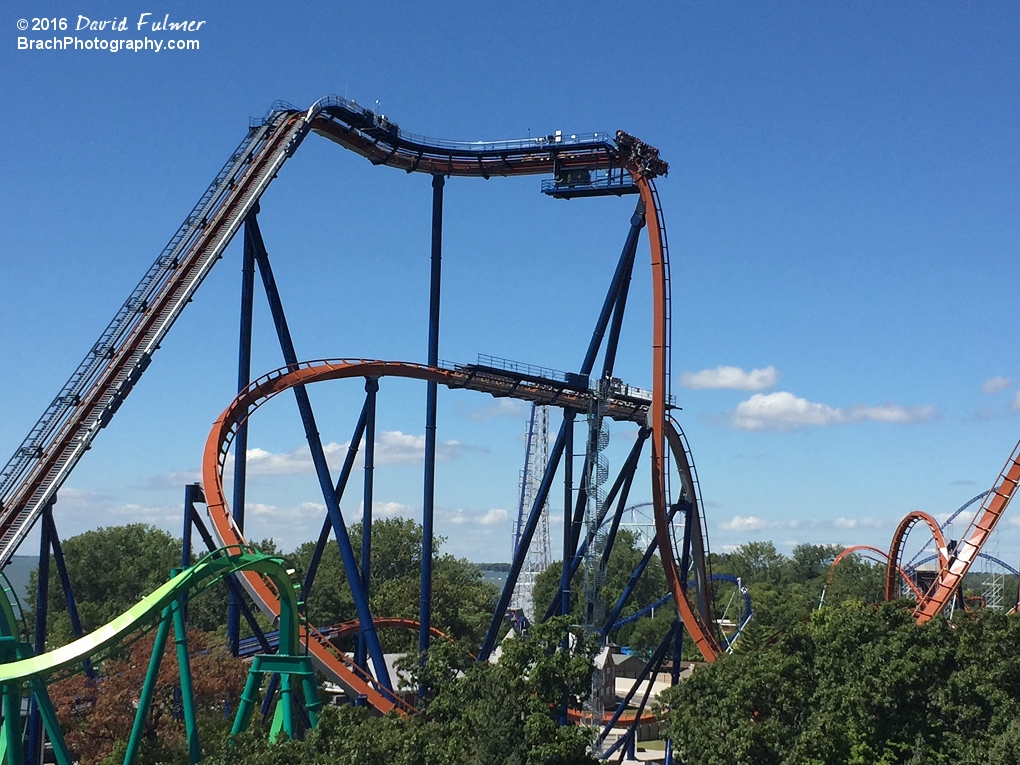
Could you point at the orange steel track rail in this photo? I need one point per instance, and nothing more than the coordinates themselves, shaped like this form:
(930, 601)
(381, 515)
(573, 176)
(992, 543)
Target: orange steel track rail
(326, 657)
(954, 568)
(103, 380)
(899, 539)
(699, 632)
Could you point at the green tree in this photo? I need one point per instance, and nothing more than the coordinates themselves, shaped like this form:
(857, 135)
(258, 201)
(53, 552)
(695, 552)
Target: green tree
(462, 601)
(502, 713)
(623, 561)
(110, 570)
(858, 684)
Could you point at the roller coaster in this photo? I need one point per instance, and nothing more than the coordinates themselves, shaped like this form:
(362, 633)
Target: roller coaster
(576, 166)
(953, 558)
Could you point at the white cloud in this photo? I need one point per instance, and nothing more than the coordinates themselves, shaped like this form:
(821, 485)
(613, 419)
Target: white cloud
(501, 407)
(730, 378)
(904, 415)
(781, 411)
(856, 523)
(1015, 403)
(995, 385)
(494, 516)
(742, 523)
(784, 411)
(96, 508)
(174, 480)
(386, 509)
(392, 447)
(260, 509)
(748, 523)
(963, 518)
(461, 517)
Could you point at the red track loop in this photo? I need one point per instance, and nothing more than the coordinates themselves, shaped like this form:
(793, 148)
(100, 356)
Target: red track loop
(346, 629)
(330, 661)
(896, 549)
(883, 555)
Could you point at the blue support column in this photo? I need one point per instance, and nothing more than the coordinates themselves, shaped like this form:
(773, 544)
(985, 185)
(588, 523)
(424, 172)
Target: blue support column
(631, 468)
(371, 388)
(650, 670)
(622, 484)
(623, 269)
(319, 459)
(241, 438)
(431, 393)
(632, 582)
(568, 496)
(65, 582)
(231, 580)
(192, 494)
(34, 744)
(674, 679)
(525, 541)
(341, 487)
(568, 502)
(637, 222)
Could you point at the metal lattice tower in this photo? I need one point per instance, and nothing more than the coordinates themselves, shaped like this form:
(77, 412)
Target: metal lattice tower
(536, 456)
(993, 586)
(594, 569)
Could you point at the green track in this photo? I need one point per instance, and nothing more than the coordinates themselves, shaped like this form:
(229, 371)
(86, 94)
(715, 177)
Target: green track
(160, 609)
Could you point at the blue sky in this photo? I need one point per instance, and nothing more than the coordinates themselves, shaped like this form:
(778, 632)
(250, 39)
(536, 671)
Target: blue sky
(842, 209)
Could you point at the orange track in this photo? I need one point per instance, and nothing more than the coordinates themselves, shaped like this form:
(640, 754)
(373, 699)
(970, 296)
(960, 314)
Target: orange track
(953, 570)
(699, 632)
(326, 657)
(896, 549)
(861, 548)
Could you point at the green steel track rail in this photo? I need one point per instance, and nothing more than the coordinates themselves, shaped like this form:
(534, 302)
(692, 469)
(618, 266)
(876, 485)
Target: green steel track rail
(21, 672)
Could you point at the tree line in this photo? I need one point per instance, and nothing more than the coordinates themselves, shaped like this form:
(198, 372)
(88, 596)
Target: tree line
(824, 673)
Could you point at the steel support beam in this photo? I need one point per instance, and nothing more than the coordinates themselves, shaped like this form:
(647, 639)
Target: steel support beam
(634, 577)
(241, 438)
(341, 487)
(34, 744)
(431, 394)
(371, 389)
(568, 501)
(319, 458)
(623, 269)
(624, 479)
(525, 541)
(148, 688)
(65, 582)
(630, 468)
(637, 222)
(197, 495)
(651, 668)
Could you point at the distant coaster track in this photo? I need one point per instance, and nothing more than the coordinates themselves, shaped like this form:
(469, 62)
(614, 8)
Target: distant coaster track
(881, 556)
(958, 562)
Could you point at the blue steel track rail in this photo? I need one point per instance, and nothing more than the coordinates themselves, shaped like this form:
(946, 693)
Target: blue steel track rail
(102, 381)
